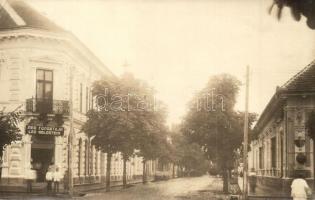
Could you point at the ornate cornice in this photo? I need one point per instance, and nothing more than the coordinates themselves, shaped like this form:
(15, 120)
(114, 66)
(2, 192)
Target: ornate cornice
(65, 37)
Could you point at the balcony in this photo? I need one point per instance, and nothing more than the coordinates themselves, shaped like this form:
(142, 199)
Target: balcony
(47, 106)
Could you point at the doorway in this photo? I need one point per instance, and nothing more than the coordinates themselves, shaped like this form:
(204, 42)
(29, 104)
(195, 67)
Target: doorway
(42, 155)
(41, 158)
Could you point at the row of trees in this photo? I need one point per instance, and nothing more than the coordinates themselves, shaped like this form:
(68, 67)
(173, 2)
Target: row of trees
(126, 117)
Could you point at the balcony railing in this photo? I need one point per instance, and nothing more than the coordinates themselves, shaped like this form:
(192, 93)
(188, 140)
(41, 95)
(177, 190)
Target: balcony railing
(47, 106)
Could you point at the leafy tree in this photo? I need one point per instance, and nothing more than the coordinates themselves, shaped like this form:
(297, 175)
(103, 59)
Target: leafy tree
(152, 140)
(298, 8)
(109, 122)
(213, 123)
(9, 130)
(149, 149)
(124, 120)
(189, 156)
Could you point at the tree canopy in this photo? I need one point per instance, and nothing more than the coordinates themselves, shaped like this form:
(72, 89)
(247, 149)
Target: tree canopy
(9, 130)
(126, 117)
(214, 124)
(298, 8)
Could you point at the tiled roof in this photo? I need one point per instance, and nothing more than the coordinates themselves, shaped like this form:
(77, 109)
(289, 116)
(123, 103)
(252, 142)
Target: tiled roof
(302, 81)
(15, 14)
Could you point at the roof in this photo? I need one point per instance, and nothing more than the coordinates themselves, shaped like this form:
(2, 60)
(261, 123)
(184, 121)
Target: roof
(302, 82)
(18, 15)
(15, 14)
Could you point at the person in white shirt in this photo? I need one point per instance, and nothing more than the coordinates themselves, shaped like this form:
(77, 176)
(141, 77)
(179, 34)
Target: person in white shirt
(30, 177)
(49, 179)
(299, 188)
(56, 178)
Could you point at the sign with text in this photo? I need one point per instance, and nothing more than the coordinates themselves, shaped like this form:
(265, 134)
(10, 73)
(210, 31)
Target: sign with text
(44, 130)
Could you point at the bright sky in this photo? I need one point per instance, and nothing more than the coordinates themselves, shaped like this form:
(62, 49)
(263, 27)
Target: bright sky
(175, 45)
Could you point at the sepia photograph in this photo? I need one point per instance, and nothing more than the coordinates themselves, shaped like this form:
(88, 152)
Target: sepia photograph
(157, 99)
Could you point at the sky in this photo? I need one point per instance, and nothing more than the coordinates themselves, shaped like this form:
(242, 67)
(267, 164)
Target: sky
(176, 45)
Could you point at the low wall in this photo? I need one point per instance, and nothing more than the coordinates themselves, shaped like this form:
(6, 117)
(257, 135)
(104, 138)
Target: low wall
(276, 185)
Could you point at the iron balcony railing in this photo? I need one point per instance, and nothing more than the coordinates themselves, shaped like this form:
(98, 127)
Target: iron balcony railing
(47, 106)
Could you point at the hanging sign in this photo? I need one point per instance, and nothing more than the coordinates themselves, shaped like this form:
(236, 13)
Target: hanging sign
(44, 130)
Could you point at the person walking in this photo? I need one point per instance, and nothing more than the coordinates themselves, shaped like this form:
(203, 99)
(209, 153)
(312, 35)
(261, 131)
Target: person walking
(56, 178)
(49, 179)
(30, 177)
(299, 188)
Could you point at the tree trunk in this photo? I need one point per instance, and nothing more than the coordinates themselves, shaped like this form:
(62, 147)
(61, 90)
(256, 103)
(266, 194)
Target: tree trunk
(125, 173)
(225, 181)
(173, 175)
(108, 166)
(144, 175)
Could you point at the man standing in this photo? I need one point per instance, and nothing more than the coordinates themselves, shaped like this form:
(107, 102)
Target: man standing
(299, 188)
(49, 179)
(57, 178)
(30, 176)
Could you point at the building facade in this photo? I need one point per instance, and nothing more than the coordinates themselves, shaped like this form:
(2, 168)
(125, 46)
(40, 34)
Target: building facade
(42, 69)
(281, 147)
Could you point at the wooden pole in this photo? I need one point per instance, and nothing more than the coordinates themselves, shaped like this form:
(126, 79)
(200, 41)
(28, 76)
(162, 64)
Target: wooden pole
(70, 145)
(245, 152)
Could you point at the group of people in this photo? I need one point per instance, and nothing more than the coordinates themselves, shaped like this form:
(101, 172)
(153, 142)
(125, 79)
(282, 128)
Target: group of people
(53, 178)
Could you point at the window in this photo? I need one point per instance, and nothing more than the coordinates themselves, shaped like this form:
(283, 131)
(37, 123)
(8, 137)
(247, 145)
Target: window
(87, 99)
(44, 84)
(86, 150)
(273, 152)
(81, 97)
(261, 158)
(44, 90)
(79, 157)
(91, 157)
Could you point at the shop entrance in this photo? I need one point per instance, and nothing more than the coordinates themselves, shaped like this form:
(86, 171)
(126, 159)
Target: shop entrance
(42, 155)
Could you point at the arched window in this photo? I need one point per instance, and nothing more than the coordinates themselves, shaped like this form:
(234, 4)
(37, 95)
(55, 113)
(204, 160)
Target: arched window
(91, 156)
(86, 150)
(79, 157)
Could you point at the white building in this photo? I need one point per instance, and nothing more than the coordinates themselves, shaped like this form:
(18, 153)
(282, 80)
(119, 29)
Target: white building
(37, 60)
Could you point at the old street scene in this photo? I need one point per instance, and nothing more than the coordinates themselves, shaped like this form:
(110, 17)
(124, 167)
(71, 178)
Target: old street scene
(176, 99)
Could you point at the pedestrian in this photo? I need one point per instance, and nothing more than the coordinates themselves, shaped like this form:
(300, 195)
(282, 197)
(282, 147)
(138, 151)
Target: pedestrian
(299, 188)
(66, 180)
(30, 177)
(56, 178)
(49, 179)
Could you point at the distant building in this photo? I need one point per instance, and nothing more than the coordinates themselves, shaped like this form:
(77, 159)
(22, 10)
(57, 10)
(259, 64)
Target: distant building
(282, 147)
(37, 59)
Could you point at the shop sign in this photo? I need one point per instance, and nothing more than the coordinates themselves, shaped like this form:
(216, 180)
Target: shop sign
(44, 130)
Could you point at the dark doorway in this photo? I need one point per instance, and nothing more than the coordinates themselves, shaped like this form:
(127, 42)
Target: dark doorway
(41, 158)
(42, 154)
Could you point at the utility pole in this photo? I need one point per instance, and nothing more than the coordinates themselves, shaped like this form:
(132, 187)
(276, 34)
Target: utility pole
(71, 135)
(245, 161)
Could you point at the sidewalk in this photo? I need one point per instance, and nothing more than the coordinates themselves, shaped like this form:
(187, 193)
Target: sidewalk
(39, 189)
(267, 192)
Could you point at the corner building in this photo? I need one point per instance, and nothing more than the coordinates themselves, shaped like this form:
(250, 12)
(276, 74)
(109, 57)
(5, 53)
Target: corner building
(282, 148)
(38, 62)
